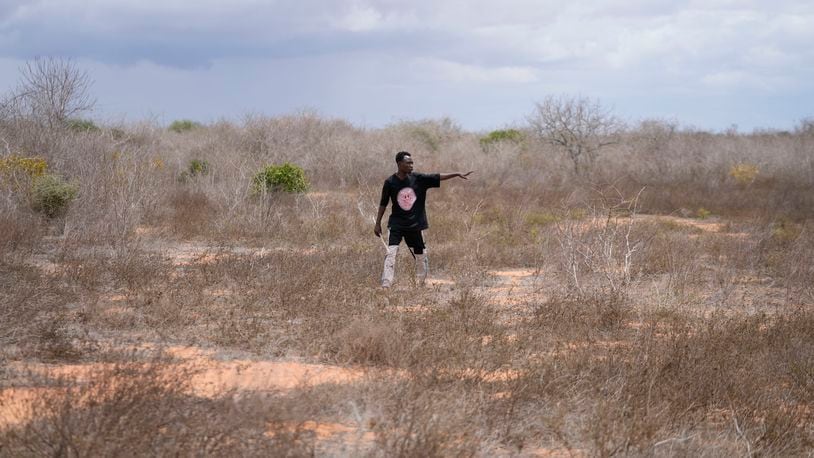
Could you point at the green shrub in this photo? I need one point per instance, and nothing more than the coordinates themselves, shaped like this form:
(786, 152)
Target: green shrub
(118, 134)
(505, 135)
(198, 167)
(784, 230)
(195, 168)
(81, 125)
(184, 125)
(51, 194)
(287, 177)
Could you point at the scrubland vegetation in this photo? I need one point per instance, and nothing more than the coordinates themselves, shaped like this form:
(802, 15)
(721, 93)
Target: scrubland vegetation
(641, 289)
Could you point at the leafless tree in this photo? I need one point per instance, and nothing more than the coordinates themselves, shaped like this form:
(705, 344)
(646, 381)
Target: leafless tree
(579, 126)
(51, 91)
(805, 126)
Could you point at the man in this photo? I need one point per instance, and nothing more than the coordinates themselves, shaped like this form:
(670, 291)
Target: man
(407, 191)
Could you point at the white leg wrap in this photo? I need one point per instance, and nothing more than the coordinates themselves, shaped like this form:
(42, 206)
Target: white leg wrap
(389, 266)
(422, 268)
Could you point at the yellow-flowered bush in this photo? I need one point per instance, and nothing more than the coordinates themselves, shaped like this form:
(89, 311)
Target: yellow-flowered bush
(157, 163)
(17, 172)
(744, 173)
(31, 166)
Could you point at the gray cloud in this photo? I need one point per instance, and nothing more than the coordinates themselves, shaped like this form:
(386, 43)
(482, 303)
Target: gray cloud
(517, 32)
(360, 56)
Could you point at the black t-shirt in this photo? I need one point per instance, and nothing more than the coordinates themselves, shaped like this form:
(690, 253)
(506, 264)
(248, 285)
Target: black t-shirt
(408, 198)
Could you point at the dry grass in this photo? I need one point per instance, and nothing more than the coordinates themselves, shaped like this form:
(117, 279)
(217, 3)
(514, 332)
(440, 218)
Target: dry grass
(145, 408)
(635, 333)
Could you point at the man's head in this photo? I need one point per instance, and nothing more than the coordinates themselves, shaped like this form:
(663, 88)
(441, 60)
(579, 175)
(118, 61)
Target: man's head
(404, 162)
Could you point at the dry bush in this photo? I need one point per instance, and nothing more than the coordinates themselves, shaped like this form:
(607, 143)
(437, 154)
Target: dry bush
(192, 212)
(20, 231)
(468, 332)
(672, 386)
(582, 316)
(674, 253)
(445, 340)
(34, 319)
(372, 343)
(136, 271)
(138, 408)
(785, 253)
(601, 250)
(423, 337)
(729, 364)
(415, 420)
(798, 267)
(274, 302)
(472, 226)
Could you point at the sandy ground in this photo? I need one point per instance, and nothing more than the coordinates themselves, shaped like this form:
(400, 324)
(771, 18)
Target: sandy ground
(214, 376)
(211, 377)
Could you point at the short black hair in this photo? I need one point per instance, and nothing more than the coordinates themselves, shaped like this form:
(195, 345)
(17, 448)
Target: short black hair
(400, 156)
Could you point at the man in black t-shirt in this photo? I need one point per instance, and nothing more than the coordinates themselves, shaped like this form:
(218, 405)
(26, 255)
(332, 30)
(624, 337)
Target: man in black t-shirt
(408, 192)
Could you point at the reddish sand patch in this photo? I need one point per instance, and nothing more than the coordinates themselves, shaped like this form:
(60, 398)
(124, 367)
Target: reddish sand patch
(210, 378)
(16, 405)
(218, 377)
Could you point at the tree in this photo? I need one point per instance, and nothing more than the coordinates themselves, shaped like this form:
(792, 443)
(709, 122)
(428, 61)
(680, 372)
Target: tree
(579, 126)
(51, 91)
(805, 126)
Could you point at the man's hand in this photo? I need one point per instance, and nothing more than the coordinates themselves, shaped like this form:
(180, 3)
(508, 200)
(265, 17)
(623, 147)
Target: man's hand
(447, 176)
(378, 230)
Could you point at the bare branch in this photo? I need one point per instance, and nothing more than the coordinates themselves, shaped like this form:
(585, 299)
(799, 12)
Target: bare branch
(578, 126)
(51, 91)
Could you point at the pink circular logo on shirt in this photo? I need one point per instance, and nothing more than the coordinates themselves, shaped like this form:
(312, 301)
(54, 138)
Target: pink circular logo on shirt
(406, 198)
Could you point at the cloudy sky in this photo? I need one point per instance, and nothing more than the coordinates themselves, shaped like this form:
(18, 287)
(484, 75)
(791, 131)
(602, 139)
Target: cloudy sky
(703, 63)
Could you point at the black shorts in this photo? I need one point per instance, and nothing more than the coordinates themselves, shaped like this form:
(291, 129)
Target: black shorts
(413, 238)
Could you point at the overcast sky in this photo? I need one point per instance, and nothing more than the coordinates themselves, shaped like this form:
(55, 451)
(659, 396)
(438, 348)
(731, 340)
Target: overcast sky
(704, 63)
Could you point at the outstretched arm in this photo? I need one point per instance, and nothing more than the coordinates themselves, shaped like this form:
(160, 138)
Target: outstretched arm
(447, 176)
